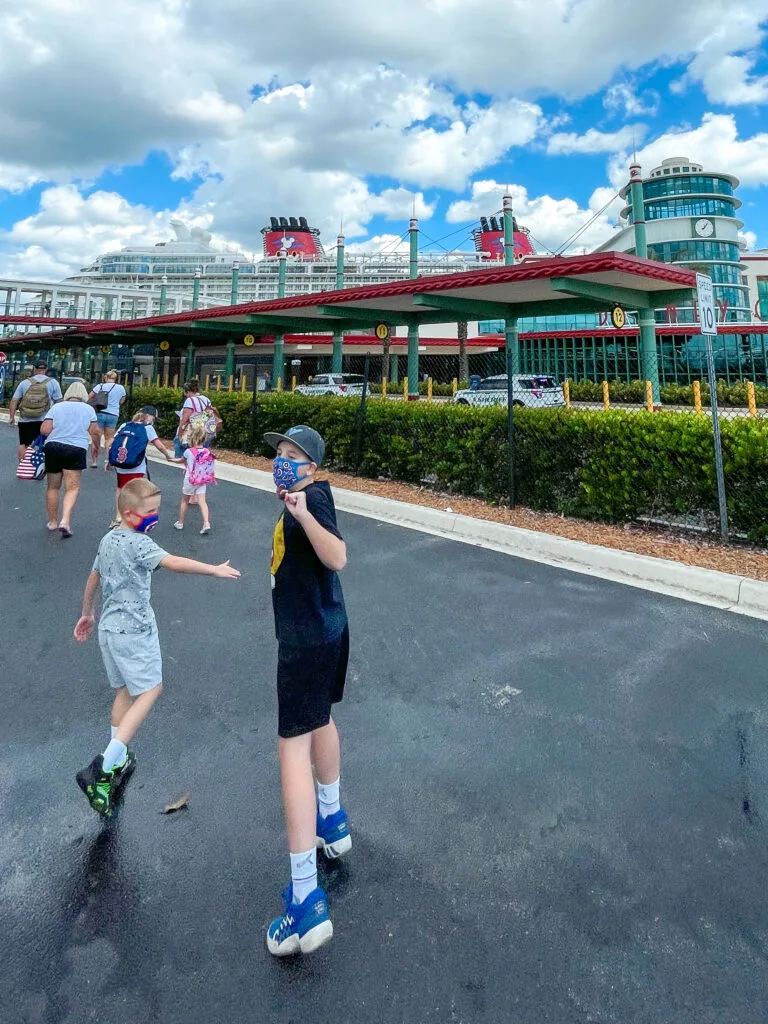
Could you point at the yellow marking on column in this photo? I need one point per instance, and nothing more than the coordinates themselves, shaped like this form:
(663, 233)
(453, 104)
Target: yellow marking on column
(649, 396)
(405, 388)
(697, 395)
(455, 385)
(751, 398)
(429, 389)
(218, 382)
(207, 382)
(567, 393)
(243, 383)
(383, 387)
(293, 383)
(165, 381)
(279, 383)
(231, 383)
(606, 396)
(175, 380)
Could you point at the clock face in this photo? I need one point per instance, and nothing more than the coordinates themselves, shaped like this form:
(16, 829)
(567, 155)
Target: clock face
(704, 227)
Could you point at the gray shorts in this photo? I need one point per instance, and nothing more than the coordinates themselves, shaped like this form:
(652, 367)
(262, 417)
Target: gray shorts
(132, 660)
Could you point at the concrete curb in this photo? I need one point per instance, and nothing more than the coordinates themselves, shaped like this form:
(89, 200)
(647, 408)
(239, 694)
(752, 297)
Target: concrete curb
(739, 594)
(688, 582)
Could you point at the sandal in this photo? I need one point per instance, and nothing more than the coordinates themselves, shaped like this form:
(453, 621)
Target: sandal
(64, 530)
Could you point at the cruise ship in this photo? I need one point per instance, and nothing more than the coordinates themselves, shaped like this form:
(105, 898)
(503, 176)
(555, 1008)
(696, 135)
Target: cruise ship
(176, 265)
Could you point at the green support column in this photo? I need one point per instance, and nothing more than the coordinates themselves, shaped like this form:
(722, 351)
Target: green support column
(649, 356)
(235, 283)
(196, 289)
(87, 362)
(413, 330)
(337, 359)
(510, 326)
(163, 293)
(229, 362)
(278, 357)
(190, 361)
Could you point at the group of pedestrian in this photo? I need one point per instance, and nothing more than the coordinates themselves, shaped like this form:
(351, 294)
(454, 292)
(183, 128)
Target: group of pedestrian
(311, 625)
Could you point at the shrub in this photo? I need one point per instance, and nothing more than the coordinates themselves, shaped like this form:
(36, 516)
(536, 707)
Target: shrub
(614, 466)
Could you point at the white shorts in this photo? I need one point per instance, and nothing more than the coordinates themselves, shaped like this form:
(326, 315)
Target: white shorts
(190, 489)
(132, 660)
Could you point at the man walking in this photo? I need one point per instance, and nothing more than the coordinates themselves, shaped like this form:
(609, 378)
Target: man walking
(32, 399)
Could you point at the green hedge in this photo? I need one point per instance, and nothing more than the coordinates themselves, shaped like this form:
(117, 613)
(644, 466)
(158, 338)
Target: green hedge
(614, 466)
(728, 395)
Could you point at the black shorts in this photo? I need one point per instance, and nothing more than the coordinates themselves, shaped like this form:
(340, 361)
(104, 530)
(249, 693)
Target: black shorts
(29, 432)
(309, 681)
(63, 456)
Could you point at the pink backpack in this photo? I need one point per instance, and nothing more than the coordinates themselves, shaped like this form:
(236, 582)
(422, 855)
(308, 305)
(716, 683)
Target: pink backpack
(202, 469)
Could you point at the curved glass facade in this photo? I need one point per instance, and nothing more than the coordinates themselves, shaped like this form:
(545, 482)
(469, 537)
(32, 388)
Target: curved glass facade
(694, 251)
(663, 208)
(659, 188)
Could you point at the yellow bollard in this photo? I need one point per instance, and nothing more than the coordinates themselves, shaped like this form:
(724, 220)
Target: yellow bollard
(405, 388)
(165, 383)
(218, 382)
(567, 393)
(751, 398)
(279, 383)
(649, 396)
(383, 387)
(454, 385)
(697, 395)
(293, 383)
(207, 382)
(159, 381)
(243, 382)
(429, 389)
(606, 396)
(175, 380)
(231, 387)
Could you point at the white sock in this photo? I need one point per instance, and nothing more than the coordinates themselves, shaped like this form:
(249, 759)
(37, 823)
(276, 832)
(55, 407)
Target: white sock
(303, 874)
(112, 730)
(328, 798)
(115, 754)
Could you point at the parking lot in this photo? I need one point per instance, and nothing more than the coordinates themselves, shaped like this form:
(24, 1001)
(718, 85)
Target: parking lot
(557, 786)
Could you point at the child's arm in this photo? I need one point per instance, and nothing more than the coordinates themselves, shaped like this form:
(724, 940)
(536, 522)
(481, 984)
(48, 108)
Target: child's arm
(331, 551)
(85, 623)
(178, 564)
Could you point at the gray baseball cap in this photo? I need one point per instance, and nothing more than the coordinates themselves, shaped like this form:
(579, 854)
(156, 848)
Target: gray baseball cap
(150, 410)
(305, 438)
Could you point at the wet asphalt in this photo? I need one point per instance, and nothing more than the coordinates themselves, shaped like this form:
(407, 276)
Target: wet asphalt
(557, 786)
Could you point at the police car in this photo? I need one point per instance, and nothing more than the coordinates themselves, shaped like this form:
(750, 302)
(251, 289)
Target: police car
(342, 384)
(527, 389)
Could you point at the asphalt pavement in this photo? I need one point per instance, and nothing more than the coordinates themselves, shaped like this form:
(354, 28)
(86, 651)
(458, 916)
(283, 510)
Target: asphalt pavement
(557, 786)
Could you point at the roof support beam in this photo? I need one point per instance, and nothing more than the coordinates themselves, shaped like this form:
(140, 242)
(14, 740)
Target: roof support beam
(369, 317)
(631, 298)
(466, 309)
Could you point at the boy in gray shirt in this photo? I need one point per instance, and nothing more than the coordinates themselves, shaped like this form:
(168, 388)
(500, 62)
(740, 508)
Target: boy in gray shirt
(128, 638)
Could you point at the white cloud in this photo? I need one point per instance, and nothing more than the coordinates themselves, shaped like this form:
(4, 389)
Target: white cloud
(749, 238)
(594, 141)
(622, 98)
(715, 144)
(551, 221)
(726, 58)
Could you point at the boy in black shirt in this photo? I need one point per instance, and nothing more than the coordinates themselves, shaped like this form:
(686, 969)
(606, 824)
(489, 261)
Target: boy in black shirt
(313, 638)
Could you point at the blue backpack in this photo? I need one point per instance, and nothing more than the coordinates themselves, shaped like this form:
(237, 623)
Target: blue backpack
(129, 446)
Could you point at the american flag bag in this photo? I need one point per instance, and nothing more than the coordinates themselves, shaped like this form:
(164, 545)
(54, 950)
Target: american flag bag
(32, 466)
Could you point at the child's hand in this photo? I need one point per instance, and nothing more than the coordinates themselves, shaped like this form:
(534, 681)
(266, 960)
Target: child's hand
(296, 504)
(225, 571)
(84, 627)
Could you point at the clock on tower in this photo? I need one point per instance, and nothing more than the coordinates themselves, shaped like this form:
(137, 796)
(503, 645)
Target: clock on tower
(704, 227)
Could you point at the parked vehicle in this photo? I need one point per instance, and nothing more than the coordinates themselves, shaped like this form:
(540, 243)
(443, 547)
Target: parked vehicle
(527, 390)
(342, 384)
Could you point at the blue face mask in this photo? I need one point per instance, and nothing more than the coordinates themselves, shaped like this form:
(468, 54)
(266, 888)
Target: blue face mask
(285, 473)
(147, 523)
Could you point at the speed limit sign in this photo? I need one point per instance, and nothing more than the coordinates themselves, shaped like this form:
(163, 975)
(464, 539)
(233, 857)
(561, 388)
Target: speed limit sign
(706, 299)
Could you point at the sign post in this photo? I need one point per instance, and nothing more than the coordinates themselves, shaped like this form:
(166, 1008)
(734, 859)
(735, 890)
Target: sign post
(708, 324)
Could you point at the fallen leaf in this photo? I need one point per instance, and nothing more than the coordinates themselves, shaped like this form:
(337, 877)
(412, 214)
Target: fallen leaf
(177, 805)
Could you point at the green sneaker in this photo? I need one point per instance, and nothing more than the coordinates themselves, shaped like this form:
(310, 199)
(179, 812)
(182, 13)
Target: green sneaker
(122, 772)
(98, 786)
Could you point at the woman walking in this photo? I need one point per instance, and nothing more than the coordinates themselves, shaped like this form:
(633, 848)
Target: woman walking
(70, 430)
(106, 400)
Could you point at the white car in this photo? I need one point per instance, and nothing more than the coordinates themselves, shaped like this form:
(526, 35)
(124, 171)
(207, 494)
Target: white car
(527, 389)
(340, 384)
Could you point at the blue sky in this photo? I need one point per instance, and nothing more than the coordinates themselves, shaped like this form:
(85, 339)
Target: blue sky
(204, 114)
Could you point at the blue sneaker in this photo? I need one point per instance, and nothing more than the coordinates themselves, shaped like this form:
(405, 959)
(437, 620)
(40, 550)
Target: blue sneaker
(332, 834)
(303, 928)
